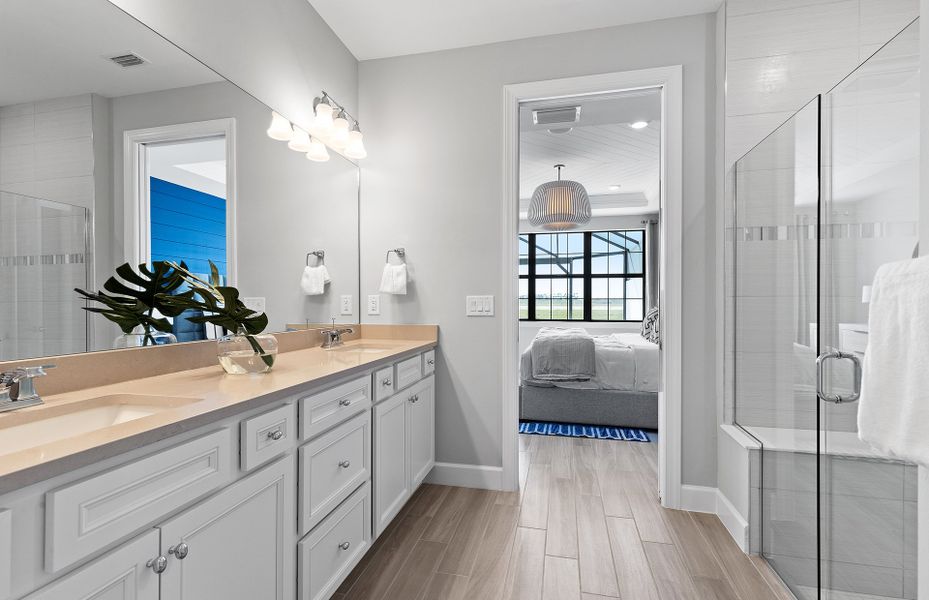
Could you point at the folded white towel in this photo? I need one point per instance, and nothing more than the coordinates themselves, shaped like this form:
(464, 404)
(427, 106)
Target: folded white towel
(314, 280)
(394, 279)
(893, 415)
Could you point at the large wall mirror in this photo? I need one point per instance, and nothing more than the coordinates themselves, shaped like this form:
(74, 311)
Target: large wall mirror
(115, 147)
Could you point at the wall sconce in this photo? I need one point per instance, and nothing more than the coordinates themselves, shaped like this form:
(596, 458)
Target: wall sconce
(341, 133)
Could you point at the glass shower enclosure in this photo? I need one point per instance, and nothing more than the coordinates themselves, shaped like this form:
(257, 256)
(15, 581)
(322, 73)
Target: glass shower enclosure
(819, 205)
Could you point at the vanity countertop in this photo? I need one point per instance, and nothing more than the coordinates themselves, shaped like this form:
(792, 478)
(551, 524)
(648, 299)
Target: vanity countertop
(218, 396)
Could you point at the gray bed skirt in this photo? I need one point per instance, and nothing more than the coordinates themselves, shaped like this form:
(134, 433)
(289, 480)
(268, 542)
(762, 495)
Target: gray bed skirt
(589, 407)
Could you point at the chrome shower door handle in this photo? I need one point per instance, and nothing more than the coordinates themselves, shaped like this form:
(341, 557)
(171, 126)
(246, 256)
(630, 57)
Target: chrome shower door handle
(820, 377)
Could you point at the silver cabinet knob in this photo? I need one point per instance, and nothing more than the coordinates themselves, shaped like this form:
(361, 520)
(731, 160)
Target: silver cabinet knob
(414, 399)
(180, 551)
(431, 361)
(345, 545)
(345, 464)
(344, 402)
(158, 564)
(276, 434)
(387, 381)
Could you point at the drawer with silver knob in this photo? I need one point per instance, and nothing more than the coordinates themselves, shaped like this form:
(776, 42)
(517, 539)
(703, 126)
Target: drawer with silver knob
(329, 553)
(384, 384)
(332, 466)
(428, 362)
(267, 436)
(324, 410)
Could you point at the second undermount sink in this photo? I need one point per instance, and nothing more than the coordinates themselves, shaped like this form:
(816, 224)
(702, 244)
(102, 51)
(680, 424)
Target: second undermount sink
(53, 422)
(364, 348)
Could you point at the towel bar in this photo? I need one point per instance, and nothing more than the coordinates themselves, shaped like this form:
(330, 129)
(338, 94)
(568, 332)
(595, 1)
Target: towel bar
(320, 257)
(400, 252)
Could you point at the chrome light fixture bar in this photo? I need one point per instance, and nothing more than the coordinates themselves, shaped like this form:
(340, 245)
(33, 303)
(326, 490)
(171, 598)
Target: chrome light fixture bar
(332, 127)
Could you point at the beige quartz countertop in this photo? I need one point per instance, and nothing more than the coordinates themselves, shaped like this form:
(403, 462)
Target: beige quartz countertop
(217, 395)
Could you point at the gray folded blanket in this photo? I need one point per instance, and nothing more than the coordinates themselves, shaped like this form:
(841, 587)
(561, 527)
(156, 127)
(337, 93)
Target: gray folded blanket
(563, 355)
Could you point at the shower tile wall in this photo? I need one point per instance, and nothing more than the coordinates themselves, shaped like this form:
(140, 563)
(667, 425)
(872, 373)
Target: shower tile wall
(781, 53)
(46, 188)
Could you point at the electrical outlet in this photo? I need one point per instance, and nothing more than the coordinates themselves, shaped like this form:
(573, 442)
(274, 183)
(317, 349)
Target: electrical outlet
(346, 304)
(257, 303)
(479, 306)
(374, 304)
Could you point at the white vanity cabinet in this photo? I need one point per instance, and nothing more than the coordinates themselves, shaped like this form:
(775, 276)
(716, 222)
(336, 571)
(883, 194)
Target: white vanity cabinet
(404, 448)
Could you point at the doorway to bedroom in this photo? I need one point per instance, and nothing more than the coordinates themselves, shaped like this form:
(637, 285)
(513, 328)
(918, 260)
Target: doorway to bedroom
(589, 264)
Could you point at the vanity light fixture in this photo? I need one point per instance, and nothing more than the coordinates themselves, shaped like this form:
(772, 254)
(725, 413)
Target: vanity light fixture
(355, 148)
(280, 128)
(317, 151)
(323, 121)
(559, 205)
(300, 142)
(638, 124)
(339, 136)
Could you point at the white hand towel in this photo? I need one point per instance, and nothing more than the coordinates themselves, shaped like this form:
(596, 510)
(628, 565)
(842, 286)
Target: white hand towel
(893, 414)
(314, 280)
(393, 280)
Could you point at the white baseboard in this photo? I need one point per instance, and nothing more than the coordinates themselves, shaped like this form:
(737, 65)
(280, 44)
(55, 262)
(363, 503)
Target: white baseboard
(461, 475)
(732, 520)
(698, 498)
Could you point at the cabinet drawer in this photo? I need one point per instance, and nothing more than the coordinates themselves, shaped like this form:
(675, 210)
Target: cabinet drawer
(409, 371)
(267, 436)
(384, 384)
(324, 410)
(428, 362)
(85, 516)
(331, 551)
(331, 467)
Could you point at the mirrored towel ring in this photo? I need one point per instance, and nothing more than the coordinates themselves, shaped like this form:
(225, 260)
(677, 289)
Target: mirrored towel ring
(400, 252)
(320, 257)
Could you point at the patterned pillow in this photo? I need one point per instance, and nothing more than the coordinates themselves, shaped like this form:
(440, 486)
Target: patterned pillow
(650, 325)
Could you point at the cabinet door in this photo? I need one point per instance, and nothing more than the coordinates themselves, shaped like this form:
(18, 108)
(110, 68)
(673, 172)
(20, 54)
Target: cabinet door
(391, 467)
(239, 544)
(421, 430)
(121, 574)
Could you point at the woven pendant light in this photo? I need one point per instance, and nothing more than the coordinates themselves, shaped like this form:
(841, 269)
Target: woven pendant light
(559, 205)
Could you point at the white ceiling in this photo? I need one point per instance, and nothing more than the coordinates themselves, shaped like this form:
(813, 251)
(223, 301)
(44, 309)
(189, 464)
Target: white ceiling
(600, 151)
(380, 29)
(59, 48)
(199, 165)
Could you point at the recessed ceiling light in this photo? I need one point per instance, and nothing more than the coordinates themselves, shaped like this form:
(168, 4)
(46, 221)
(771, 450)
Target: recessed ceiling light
(639, 124)
(614, 188)
(561, 130)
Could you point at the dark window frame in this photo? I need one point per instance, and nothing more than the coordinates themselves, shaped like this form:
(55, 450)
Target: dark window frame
(587, 277)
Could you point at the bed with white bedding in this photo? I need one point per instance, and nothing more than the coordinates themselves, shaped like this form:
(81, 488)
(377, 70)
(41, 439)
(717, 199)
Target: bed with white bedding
(569, 376)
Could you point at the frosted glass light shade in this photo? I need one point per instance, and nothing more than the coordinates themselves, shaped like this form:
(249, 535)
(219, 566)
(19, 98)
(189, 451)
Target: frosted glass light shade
(323, 120)
(338, 138)
(559, 205)
(355, 148)
(300, 142)
(317, 151)
(280, 128)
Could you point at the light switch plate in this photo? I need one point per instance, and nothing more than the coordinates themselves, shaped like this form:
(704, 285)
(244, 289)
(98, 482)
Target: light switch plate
(256, 303)
(374, 304)
(479, 306)
(345, 306)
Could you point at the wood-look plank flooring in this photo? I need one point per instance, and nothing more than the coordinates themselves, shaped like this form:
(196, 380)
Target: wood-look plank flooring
(586, 524)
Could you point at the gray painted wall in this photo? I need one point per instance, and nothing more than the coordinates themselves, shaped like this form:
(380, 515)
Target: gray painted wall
(281, 51)
(433, 183)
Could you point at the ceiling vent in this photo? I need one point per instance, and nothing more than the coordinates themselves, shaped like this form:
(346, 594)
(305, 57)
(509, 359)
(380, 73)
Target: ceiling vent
(128, 60)
(564, 115)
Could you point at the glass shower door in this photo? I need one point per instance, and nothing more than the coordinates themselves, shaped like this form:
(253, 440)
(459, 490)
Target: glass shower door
(869, 216)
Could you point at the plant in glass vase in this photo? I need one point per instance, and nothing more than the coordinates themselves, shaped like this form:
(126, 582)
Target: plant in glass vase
(244, 349)
(137, 306)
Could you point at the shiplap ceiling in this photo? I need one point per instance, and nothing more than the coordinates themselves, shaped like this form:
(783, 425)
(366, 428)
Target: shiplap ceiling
(382, 29)
(59, 48)
(600, 151)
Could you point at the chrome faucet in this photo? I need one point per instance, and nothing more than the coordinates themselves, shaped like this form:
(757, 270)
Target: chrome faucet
(333, 337)
(17, 387)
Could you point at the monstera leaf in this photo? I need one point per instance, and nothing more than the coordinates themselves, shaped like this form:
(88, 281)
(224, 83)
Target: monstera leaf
(135, 302)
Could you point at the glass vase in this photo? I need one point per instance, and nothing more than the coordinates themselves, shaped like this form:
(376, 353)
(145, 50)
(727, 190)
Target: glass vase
(139, 338)
(240, 353)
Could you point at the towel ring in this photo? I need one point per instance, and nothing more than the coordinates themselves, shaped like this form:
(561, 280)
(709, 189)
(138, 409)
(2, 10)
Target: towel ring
(320, 257)
(400, 252)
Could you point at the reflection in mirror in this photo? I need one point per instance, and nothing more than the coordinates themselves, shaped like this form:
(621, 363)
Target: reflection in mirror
(116, 146)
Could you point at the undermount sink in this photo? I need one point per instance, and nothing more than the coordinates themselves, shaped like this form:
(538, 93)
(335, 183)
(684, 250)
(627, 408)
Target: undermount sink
(53, 422)
(364, 348)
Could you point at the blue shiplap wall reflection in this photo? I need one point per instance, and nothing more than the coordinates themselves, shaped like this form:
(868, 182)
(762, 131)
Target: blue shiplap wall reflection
(187, 225)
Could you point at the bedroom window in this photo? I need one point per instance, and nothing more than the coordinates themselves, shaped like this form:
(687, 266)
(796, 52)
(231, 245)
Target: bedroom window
(582, 276)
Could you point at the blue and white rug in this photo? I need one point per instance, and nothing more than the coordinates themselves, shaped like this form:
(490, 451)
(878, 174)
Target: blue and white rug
(584, 431)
